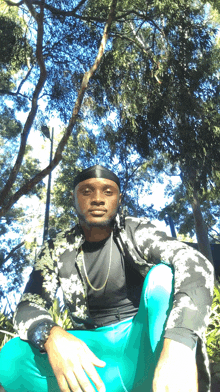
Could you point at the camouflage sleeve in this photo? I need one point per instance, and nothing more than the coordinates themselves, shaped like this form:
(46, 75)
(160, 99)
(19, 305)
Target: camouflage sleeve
(193, 279)
(38, 296)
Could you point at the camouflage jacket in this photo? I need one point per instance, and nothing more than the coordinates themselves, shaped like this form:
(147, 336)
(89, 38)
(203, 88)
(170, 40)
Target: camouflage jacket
(60, 265)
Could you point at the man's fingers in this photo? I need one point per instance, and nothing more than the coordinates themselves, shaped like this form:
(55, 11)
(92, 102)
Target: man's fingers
(81, 382)
(63, 384)
(92, 357)
(93, 374)
(74, 384)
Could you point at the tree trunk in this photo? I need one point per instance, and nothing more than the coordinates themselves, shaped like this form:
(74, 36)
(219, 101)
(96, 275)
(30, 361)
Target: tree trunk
(201, 229)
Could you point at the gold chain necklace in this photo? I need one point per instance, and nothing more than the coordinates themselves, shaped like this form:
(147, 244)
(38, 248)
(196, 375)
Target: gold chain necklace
(110, 260)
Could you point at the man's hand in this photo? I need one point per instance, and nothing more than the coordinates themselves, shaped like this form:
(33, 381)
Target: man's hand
(176, 370)
(71, 359)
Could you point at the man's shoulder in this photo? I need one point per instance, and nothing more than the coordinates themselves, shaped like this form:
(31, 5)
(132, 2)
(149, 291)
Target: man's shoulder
(67, 236)
(132, 221)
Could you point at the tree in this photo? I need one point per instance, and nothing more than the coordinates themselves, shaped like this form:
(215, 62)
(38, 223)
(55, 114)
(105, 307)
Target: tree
(170, 102)
(39, 13)
(21, 174)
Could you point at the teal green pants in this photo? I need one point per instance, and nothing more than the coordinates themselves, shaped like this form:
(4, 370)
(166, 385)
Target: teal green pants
(130, 348)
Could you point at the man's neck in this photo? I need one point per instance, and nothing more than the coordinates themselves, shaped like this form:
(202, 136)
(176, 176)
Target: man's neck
(96, 234)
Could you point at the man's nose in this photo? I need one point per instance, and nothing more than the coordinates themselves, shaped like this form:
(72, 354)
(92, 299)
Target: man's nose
(98, 198)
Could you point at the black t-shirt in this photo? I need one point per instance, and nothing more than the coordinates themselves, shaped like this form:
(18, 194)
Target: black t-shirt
(115, 302)
(120, 297)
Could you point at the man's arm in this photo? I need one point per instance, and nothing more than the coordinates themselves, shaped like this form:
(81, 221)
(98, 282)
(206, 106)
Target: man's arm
(193, 279)
(38, 296)
(70, 358)
(176, 370)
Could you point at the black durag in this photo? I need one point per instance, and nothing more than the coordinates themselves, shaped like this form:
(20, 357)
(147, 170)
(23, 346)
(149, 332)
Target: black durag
(96, 171)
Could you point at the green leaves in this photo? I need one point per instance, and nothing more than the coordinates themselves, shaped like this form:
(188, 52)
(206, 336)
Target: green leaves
(61, 318)
(6, 330)
(213, 330)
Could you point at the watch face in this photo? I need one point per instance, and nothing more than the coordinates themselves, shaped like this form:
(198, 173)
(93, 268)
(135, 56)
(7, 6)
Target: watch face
(41, 334)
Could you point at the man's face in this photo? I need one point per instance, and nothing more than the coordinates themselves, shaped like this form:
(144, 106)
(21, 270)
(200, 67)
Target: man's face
(96, 201)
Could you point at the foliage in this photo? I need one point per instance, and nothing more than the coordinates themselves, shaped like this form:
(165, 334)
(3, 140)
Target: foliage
(16, 51)
(213, 330)
(163, 77)
(181, 212)
(6, 330)
(60, 317)
(51, 40)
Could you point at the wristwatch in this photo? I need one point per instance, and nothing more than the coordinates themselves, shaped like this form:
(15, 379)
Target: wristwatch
(39, 335)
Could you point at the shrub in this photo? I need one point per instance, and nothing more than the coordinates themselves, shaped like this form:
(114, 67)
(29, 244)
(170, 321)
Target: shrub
(213, 330)
(6, 330)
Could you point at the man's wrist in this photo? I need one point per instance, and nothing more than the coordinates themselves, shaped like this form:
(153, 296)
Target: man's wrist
(55, 332)
(39, 335)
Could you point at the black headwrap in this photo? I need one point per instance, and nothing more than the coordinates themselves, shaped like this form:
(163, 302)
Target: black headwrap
(96, 171)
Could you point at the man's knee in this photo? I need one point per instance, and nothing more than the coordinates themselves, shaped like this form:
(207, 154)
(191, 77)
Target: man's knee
(159, 283)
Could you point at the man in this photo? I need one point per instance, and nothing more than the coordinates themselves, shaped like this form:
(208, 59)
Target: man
(134, 327)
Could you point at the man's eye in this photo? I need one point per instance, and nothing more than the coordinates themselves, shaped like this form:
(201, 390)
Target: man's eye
(86, 191)
(108, 192)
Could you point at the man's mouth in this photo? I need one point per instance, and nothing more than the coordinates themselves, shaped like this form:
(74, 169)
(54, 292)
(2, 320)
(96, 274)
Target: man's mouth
(97, 211)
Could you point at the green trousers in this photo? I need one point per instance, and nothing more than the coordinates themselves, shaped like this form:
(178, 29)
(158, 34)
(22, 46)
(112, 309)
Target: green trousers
(130, 348)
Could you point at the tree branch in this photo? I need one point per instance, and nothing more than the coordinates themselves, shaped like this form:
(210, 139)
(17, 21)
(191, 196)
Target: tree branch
(6, 92)
(14, 4)
(58, 154)
(11, 252)
(27, 127)
(57, 11)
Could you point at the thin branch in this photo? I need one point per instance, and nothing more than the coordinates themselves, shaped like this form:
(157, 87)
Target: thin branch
(24, 80)
(214, 238)
(57, 11)
(135, 33)
(11, 3)
(29, 4)
(27, 127)
(58, 154)
(8, 333)
(12, 251)
(6, 92)
(133, 42)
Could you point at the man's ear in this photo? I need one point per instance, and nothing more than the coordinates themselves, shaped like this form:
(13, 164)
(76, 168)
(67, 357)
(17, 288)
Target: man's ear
(120, 198)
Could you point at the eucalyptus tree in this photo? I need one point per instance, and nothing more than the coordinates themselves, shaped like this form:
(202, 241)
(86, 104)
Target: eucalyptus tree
(15, 53)
(42, 47)
(165, 86)
(60, 40)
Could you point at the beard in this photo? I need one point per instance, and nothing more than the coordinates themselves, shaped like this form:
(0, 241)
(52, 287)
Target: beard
(104, 223)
